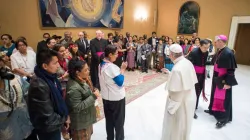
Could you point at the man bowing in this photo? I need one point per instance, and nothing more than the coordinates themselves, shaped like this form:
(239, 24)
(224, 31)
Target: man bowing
(181, 99)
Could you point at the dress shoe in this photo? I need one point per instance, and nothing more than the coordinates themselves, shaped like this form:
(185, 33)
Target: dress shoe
(220, 124)
(208, 111)
(195, 116)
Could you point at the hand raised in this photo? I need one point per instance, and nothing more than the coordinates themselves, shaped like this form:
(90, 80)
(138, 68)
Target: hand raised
(124, 65)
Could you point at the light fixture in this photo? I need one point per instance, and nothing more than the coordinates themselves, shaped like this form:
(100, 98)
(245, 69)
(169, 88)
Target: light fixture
(141, 14)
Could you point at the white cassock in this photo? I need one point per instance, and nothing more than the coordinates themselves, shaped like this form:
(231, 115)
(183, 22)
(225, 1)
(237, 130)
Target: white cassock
(181, 101)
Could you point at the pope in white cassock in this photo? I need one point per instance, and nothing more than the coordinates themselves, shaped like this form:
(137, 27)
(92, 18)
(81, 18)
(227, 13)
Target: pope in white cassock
(181, 98)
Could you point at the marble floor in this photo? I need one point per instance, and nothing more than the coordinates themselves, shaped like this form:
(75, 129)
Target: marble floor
(144, 116)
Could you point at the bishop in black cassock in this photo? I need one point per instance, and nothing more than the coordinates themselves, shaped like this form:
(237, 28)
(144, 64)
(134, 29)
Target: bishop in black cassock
(223, 80)
(97, 46)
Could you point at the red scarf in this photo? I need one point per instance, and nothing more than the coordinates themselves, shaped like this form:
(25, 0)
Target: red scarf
(63, 64)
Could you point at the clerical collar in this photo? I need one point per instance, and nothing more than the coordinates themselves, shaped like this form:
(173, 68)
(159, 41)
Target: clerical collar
(178, 59)
(223, 48)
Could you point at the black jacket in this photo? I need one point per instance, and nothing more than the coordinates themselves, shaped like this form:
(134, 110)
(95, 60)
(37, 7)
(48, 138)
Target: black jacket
(198, 58)
(41, 109)
(150, 41)
(42, 45)
(84, 48)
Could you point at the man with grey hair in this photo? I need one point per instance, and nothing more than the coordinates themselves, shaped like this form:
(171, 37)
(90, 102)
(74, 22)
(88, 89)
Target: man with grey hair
(223, 79)
(97, 46)
(181, 98)
(67, 39)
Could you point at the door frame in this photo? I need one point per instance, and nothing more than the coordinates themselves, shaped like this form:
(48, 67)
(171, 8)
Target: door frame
(236, 20)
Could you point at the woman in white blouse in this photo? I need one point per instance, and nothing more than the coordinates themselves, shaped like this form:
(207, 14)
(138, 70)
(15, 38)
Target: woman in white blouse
(23, 61)
(111, 79)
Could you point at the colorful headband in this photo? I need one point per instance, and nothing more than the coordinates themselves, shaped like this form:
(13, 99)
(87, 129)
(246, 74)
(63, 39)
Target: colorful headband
(71, 46)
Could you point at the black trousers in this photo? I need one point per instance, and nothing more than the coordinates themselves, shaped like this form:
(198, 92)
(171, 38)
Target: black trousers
(144, 65)
(32, 136)
(115, 117)
(199, 88)
(55, 135)
(94, 74)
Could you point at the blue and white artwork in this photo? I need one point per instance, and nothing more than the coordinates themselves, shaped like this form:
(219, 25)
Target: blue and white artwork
(82, 13)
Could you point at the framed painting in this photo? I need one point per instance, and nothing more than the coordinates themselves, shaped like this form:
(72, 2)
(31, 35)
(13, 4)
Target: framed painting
(189, 18)
(82, 13)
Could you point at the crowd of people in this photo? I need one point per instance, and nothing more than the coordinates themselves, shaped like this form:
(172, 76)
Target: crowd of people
(62, 81)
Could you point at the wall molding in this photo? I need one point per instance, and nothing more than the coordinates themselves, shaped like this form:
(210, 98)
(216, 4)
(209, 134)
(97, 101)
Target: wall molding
(236, 20)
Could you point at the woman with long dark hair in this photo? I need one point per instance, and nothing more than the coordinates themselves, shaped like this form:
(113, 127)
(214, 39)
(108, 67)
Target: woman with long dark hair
(75, 52)
(63, 61)
(111, 79)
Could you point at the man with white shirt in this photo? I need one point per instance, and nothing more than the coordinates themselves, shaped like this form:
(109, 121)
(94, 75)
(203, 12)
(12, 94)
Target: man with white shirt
(153, 41)
(181, 98)
(83, 44)
(23, 61)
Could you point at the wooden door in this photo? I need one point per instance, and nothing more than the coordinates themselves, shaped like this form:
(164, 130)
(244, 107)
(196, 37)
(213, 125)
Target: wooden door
(242, 44)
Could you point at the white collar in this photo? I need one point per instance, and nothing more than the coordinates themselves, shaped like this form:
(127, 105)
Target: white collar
(178, 59)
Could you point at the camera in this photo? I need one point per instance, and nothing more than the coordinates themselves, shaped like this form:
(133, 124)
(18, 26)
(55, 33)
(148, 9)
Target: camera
(6, 74)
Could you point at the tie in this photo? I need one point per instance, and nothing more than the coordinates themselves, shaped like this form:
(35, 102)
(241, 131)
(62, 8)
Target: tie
(84, 44)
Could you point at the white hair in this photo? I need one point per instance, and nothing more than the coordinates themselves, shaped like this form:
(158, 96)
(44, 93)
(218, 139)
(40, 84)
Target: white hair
(98, 32)
(80, 33)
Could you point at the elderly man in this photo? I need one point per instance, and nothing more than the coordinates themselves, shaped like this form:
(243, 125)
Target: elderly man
(83, 44)
(67, 39)
(223, 80)
(97, 46)
(180, 104)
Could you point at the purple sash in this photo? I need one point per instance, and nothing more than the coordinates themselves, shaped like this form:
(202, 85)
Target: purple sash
(199, 69)
(99, 53)
(219, 94)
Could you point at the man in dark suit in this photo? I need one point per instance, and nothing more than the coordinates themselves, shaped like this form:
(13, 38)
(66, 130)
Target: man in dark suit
(125, 43)
(116, 35)
(83, 44)
(153, 41)
(42, 44)
(126, 38)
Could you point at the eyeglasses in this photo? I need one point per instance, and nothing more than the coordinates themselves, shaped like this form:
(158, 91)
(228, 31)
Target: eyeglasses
(4, 38)
(21, 45)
